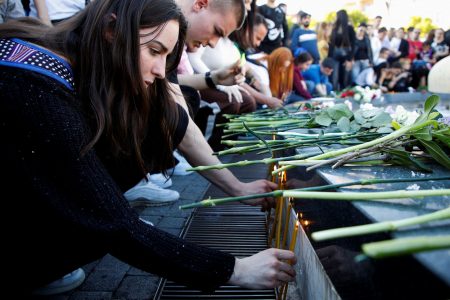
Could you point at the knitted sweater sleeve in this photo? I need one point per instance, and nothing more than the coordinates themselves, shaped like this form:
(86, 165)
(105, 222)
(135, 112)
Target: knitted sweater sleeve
(44, 130)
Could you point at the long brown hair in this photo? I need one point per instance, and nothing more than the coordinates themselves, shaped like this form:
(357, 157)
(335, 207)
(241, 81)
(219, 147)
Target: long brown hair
(281, 78)
(102, 45)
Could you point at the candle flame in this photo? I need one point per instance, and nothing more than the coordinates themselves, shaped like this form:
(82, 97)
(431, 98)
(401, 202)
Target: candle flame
(306, 222)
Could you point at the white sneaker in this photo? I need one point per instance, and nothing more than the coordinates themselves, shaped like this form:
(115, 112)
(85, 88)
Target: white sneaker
(159, 179)
(66, 283)
(180, 168)
(150, 195)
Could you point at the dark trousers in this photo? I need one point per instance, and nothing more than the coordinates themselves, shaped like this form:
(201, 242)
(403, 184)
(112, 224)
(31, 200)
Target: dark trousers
(226, 107)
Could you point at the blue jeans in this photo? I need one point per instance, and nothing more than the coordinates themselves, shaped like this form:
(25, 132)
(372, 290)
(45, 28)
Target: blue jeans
(292, 98)
(311, 86)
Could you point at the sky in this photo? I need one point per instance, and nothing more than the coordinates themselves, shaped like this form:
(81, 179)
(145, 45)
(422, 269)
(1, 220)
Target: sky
(398, 15)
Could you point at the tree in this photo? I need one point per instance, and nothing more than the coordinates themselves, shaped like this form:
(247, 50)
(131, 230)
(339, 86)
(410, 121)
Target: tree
(425, 25)
(356, 17)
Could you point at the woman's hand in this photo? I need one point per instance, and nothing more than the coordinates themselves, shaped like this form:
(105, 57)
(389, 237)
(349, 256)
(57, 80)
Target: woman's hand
(267, 269)
(274, 102)
(257, 187)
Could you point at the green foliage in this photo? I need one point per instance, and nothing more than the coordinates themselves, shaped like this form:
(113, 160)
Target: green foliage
(330, 17)
(356, 17)
(425, 25)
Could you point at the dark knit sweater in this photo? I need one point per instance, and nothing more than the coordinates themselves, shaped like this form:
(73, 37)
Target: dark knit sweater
(61, 211)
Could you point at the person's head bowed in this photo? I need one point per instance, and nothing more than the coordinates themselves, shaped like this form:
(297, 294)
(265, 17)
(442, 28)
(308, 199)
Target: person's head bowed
(120, 51)
(210, 20)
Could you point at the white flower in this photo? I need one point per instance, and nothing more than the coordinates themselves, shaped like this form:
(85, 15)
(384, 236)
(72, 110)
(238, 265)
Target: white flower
(357, 97)
(349, 104)
(366, 106)
(404, 117)
(413, 187)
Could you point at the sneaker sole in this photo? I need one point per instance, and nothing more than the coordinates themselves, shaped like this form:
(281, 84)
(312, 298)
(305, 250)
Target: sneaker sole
(62, 289)
(149, 203)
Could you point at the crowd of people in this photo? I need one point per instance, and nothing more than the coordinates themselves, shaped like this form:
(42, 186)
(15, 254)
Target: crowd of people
(102, 101)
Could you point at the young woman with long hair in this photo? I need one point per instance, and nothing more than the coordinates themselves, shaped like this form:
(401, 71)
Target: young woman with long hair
(85, 113)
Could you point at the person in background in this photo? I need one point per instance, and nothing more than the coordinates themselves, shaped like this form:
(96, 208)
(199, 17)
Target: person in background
(362, 52)
(399, 46)
(299, 89)
(82, 128)
(305, 38)
(51, 12)
(11, 9)
(316, 78)
(415, 45)
(342, 42)
(231, 99)
(276, 22)
(397, 78)
(323, 39)
(440, 47)
(378, 42)
(281, 72)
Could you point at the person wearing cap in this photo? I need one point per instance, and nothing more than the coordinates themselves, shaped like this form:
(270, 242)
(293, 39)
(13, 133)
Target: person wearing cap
(305, 38)
(316, 78)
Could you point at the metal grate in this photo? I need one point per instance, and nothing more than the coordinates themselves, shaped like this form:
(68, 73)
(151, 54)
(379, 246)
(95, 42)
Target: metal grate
(236, 229)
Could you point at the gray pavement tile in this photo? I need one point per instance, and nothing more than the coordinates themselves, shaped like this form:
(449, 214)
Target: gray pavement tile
(137, 288)
(171, 222)
(174, 231)
(152, 218)
(82, 295)
(103, 280)
(109, 262)
(136, 271)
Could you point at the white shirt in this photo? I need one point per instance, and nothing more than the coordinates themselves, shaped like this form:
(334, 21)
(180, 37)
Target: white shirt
(205, 59)
(59, 9)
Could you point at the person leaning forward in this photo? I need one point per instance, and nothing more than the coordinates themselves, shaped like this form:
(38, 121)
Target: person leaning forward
(72, 115)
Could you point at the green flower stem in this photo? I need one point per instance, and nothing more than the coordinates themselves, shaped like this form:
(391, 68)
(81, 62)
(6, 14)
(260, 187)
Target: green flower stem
(214, 202)
(392, 136)
(379, 227)
(249, 162)
(286, 193)
(406, 246)
(365, 196)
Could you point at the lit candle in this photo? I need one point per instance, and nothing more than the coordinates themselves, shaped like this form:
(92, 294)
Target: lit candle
(294, 237)
(286, 223)
(306, 224)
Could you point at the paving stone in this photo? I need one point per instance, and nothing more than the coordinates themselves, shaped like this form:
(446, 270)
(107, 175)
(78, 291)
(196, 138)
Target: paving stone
(171, 222)
(103, 280)
(137, 288)
(82, 295)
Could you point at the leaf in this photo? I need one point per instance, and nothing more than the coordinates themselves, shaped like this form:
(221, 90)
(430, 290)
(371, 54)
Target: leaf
(358, 117)
(445, 139)
(423, 134)
(382, 119)
(436, 152)
(338, 111)
(370, 113)
(385, 130)
(344, 124)
(323, 119)
(354, 126)
(430, 104)
(404, 158)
